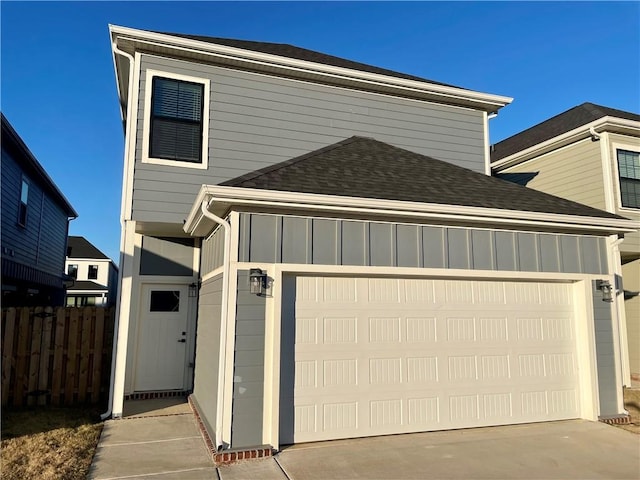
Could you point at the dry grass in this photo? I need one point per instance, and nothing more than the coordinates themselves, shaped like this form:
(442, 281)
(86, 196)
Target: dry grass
(632, 404)
(48, 443)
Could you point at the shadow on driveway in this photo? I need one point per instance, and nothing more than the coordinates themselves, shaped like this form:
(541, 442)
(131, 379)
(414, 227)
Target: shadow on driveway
(576, 449)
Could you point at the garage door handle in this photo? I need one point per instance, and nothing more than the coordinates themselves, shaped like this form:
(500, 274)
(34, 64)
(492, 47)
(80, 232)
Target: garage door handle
(182, 340)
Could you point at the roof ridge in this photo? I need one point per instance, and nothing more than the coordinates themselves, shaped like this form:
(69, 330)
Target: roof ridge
(287, 163)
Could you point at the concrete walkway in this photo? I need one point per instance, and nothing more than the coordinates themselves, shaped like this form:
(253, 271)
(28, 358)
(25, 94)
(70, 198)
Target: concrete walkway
(157, 440)
(163, 443)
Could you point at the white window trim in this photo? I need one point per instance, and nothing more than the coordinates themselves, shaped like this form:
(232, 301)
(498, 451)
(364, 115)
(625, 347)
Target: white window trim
(146, 129)
(630, 147)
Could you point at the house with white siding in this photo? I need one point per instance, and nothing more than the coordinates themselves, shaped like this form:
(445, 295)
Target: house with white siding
(95, 276)
(314, 248)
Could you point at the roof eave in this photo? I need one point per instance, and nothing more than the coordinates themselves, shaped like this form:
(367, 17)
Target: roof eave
(221, 199)
(257, 61)
(9, 134)
(601, 125)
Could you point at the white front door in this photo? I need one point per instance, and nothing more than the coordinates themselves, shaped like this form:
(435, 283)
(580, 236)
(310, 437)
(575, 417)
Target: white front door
(162, 338)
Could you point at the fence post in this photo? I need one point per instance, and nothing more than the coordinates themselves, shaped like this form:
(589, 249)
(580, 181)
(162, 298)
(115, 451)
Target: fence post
(58, 355)
(98, 345)
(45, 355)
(8, 330)
(21, 379)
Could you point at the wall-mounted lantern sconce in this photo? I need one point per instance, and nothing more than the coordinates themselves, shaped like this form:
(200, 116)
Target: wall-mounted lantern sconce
(257, 281)
(193, 289)
(606, 288)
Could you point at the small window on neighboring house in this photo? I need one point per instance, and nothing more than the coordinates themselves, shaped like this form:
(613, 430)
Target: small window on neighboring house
(629, 172)
(72, 271)
(93, 272)
(176, 120)
(24, 204)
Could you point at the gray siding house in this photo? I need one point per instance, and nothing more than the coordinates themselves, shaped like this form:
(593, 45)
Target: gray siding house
(315, 249)
(35, 224)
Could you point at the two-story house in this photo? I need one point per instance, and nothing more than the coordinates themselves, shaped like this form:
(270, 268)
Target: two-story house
(332, 233)
(35, 224)
(95, 275)
(589, 154)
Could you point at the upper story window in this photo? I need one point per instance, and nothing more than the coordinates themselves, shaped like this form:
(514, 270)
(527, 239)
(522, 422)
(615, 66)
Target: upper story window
(24, 203)
(176, 120)
(629, 173)
(93, 272)
(72, 271)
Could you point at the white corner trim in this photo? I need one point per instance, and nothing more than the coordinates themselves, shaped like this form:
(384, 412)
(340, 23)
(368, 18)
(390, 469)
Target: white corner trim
(234, 54)
(611, 188)
(600, 125)
(146, 129)
(487, 146)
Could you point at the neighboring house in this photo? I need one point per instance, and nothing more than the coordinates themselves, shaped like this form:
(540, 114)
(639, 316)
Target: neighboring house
(349, 263)
(589, 154)
(95, 275)
(35, 223)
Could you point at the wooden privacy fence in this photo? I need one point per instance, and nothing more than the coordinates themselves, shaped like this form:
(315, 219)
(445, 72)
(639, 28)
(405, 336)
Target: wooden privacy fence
(56, 356)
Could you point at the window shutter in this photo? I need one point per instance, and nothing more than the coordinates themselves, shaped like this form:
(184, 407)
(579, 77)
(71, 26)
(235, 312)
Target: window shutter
(176, 117)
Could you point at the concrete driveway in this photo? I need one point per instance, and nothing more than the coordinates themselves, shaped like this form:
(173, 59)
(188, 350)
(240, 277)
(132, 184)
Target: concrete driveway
(556, 450)
(159, 440)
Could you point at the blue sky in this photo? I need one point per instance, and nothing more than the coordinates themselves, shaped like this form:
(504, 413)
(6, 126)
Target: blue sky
(58, 86)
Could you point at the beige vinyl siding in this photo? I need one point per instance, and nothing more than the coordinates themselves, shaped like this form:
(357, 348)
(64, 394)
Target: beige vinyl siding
(257, 120)
(631, 283)
(573, 172)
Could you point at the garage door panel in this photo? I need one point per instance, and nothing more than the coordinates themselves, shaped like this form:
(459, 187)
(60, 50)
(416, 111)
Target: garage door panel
(403, 355)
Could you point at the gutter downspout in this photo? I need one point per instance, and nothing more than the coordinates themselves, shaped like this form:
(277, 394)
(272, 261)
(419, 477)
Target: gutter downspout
(116, 327)
(625, 374)
(226, 269)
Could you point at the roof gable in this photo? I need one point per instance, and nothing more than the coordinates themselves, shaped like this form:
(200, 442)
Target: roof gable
(30, 165)
(561, 123)
(80, 247)
(366, 168)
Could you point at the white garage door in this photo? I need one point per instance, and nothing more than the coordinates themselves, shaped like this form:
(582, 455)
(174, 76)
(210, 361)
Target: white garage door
(377, 356)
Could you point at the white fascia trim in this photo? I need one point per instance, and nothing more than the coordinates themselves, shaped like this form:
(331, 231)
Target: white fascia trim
(601, 125)
(238, 54)
(228, 196)
(146, 129)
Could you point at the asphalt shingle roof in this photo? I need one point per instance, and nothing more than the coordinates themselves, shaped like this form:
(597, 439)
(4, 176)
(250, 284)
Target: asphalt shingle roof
(299, 53)
(80, 247)
(561, 123)
(86, 285)
(364, 167)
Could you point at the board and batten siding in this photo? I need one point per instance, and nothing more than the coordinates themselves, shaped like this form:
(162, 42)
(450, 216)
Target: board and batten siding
(248, 374)
(573, 172)
(605, 354)
(256, 120)
(208, 351)
(212, 252)
(271, 238)
(42, 242)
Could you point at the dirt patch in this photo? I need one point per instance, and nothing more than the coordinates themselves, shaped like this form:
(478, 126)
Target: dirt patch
(632, 405)
(48, 443)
